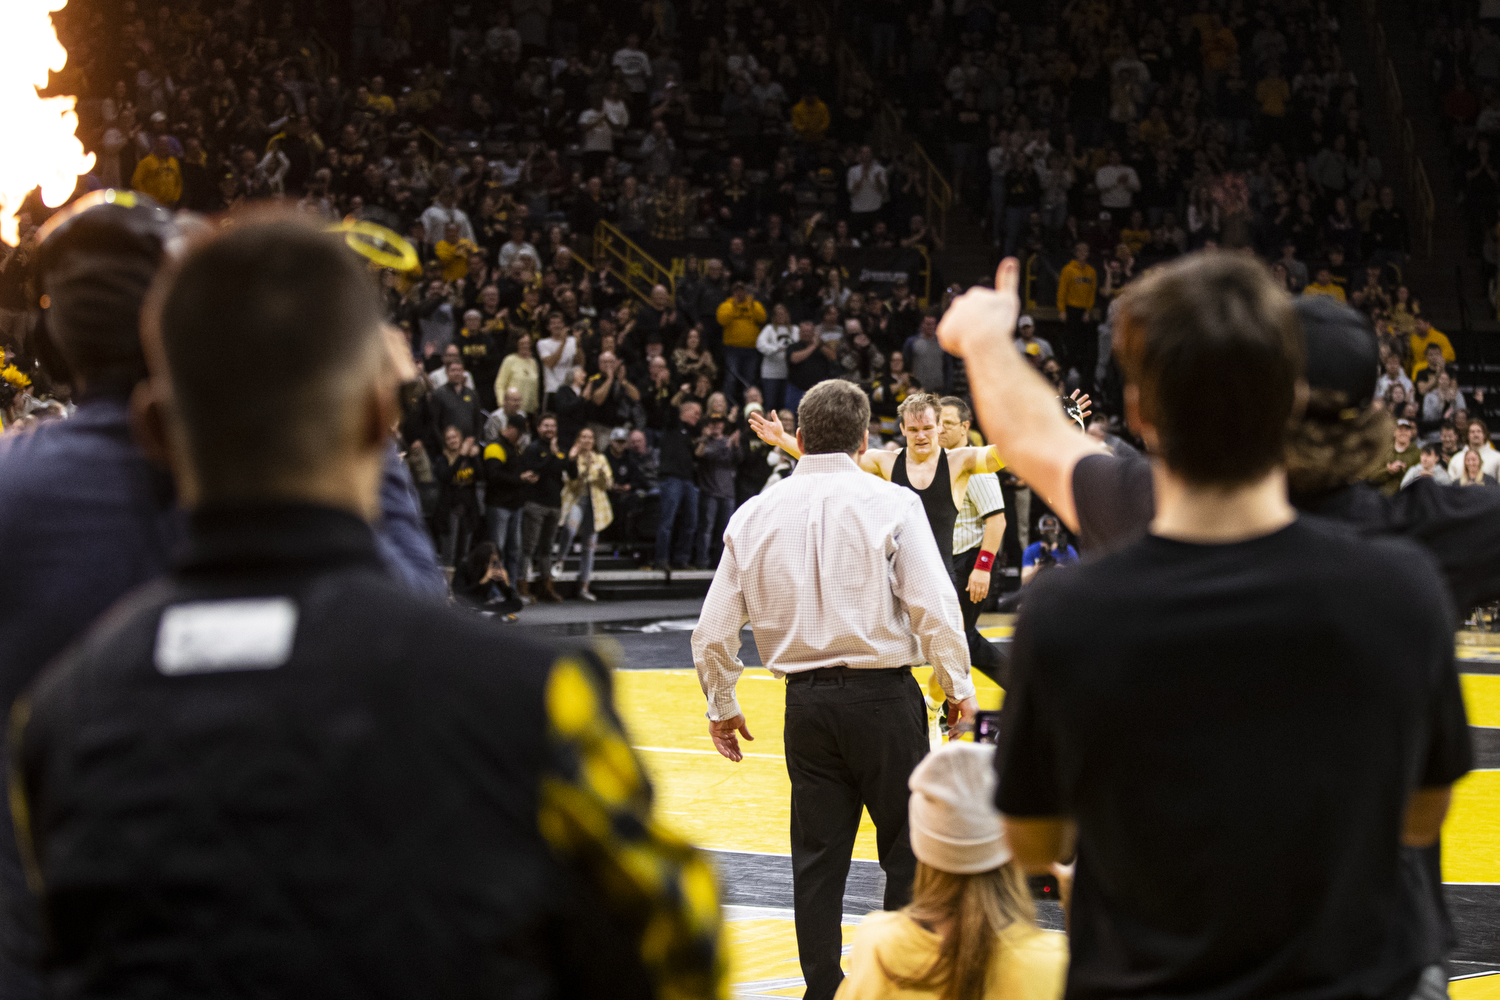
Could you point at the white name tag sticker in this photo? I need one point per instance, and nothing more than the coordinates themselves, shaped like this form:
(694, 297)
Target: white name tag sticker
(214, 636)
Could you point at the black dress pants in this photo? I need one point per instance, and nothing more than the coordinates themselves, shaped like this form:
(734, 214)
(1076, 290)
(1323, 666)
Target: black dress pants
(853, 738)
(983, 656)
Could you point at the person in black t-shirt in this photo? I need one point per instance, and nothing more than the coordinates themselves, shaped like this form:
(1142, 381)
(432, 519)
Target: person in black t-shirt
(1285, 689)
(809, 361)
(1109, 500)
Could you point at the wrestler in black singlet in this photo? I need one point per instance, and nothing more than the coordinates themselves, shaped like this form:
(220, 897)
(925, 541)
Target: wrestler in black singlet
(937, 502)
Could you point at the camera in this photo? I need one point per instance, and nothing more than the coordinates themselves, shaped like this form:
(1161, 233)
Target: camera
(1073, 411)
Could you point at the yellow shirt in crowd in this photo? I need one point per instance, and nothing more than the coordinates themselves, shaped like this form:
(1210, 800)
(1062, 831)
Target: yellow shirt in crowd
(1028, 964)
(161, 179)
(1273, 93)
(742, 322)
(1076, 286)
(454, 258)
(1419, 348)
(1332, 290)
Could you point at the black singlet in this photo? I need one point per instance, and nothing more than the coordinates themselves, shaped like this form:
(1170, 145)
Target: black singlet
(937, 501)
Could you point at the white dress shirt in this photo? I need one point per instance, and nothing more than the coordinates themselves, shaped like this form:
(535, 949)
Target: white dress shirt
(831, 567)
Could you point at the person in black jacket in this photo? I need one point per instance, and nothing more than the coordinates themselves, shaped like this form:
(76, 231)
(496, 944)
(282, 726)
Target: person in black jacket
(454, 404)
(505, 493)
(544, 466)
(480, 581)
(679, 489)
(317, 784)
(456, 469)
(571, 406)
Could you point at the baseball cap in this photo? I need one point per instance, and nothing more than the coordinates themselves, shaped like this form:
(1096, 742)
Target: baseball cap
(1403, 422)
(954, 825)
(1342, 353)
(1025, 321)
(619, 434)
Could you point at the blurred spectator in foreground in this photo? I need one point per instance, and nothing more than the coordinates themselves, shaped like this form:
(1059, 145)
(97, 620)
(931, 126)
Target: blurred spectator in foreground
(245, 668)
(970, 929)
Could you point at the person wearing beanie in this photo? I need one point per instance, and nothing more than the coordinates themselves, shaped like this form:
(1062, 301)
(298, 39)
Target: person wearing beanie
(970, 932)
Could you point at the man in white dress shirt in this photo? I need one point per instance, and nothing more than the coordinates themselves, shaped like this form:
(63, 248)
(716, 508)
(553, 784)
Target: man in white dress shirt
(838, 574)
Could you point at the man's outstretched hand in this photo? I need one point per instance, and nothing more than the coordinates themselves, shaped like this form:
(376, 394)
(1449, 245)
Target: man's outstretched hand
(983, 316)
(723, 735)
(769, 430)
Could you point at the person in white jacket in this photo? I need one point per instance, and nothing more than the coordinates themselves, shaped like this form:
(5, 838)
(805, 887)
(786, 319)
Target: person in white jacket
(772, 343)
(600, 124)
(1478, 440)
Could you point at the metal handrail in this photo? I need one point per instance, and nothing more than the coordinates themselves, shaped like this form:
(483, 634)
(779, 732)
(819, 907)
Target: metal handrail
(890, 136)
(636, 269)
(925, 299)
(939, 192)
(329, 53)
(438, 148)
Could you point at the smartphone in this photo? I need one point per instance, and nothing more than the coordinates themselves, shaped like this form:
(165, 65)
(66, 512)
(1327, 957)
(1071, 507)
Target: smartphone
(987, 727)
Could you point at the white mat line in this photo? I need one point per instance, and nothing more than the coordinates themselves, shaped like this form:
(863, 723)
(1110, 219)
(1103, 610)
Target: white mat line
(707, 753)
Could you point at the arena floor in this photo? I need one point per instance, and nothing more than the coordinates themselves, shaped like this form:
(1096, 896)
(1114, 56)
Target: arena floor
(740, 812)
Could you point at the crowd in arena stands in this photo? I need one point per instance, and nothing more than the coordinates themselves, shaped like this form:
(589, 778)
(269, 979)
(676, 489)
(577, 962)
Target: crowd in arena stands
(558, 407)
(1464, 55)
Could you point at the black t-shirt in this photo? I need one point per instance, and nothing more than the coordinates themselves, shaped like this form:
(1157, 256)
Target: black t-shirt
(1460, 527)
(1237, 741)
(810, 370)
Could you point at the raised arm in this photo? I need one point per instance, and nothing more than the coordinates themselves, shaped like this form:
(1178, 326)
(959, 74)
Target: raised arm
(1017, 409)
(767, 427)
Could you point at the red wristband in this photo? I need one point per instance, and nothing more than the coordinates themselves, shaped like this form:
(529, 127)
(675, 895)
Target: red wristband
(985, 560)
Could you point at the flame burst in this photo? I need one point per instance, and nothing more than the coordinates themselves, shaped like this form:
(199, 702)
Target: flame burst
(40, 147)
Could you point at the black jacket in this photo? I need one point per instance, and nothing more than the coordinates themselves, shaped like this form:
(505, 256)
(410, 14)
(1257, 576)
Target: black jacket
(677, 458)
(275, 773)
(502, 476)
(550, 465)
(457, 406)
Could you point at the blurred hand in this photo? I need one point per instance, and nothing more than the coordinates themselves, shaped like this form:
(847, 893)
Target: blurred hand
(983, 316)
(959, 712)
(1085, 404)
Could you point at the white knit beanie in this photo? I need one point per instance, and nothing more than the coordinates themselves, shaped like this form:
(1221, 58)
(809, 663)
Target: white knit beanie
(955, 827)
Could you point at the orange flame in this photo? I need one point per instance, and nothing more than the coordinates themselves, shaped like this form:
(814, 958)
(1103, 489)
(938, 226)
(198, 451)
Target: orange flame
(40, 147)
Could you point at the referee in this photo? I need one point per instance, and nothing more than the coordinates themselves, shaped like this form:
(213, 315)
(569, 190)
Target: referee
(276, 771)
(838, 574)
(977, 535)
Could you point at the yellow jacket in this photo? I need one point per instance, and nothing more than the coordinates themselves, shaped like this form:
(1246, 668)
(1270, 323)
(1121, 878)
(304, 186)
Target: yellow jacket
(1419, 346)
(741, 323)
(810, 120)
(1331, 290)
(1076, 286)
(1028, 963)
(161, 179)
(522, 374)
(455, 258)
